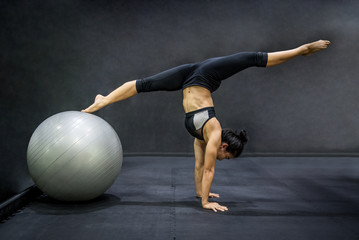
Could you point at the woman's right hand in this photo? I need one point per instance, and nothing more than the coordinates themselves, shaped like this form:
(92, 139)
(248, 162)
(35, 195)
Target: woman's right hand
(214, 206)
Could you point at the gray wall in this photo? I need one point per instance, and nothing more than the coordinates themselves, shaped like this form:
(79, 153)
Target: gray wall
(57, 55)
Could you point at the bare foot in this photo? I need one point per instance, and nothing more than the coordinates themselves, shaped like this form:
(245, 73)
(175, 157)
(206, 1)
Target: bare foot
(313, 47)
(97, 105)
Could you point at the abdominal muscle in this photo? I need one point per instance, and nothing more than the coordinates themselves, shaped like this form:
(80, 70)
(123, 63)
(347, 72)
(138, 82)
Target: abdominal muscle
(196, 97)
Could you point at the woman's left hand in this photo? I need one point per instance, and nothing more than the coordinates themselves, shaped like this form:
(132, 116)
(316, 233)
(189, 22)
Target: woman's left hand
(213, 195)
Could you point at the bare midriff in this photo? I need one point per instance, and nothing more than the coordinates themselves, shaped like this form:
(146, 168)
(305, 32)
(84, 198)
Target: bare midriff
(196, 97)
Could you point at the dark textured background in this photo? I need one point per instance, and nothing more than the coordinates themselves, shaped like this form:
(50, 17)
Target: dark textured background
(57, 55)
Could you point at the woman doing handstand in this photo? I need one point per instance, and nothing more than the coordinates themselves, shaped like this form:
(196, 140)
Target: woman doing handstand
(198, 81)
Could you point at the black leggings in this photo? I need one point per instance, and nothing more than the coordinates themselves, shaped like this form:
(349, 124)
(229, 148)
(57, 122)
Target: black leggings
(208, 73)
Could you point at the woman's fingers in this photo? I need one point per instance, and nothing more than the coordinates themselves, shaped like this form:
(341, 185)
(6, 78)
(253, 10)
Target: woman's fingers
(212, 195)
(215, 207)
(222, 208)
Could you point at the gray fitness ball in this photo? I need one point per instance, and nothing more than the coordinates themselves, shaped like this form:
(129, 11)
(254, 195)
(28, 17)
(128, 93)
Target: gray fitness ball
(74, 156)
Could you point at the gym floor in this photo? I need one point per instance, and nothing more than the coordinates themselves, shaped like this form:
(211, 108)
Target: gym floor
(154, 198)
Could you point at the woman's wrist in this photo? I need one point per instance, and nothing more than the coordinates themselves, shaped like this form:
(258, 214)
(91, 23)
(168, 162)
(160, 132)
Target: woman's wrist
(204, 201)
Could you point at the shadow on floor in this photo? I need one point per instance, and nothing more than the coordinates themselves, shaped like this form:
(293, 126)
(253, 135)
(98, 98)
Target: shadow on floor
(48, 206)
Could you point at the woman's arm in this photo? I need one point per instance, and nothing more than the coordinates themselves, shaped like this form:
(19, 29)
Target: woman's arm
(199, 151)
(208, 172)
(213, 136)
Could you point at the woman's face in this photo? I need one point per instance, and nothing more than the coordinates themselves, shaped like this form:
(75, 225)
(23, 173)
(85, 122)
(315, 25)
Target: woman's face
(222, 152)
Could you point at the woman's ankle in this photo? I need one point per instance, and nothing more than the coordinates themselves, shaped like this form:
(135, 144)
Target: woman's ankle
(304, 49)
(105, 101)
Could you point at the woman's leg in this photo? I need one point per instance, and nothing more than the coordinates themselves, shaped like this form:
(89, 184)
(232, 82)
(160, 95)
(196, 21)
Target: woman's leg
(125, 91)
(276, 58)
(169, 80)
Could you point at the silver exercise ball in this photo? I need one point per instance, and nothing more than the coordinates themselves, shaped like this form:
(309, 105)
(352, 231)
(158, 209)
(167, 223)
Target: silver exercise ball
(74, 156)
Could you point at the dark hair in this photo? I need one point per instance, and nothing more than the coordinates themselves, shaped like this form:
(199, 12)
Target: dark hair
(235, 140)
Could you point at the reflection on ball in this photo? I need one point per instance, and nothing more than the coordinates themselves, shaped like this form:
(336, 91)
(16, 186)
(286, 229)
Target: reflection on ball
(74, 156)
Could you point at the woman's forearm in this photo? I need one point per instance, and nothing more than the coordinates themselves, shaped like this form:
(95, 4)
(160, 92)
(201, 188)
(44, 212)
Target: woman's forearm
(198, 175)
(199, 150)
(206, 185)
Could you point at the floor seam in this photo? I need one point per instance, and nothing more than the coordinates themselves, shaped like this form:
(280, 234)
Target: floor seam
(173, 208)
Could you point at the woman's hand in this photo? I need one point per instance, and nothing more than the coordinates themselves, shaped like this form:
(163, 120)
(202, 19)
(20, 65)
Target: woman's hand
(213, 195)
(214, 206)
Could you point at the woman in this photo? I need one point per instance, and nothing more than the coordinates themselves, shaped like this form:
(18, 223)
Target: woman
(197, 81)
